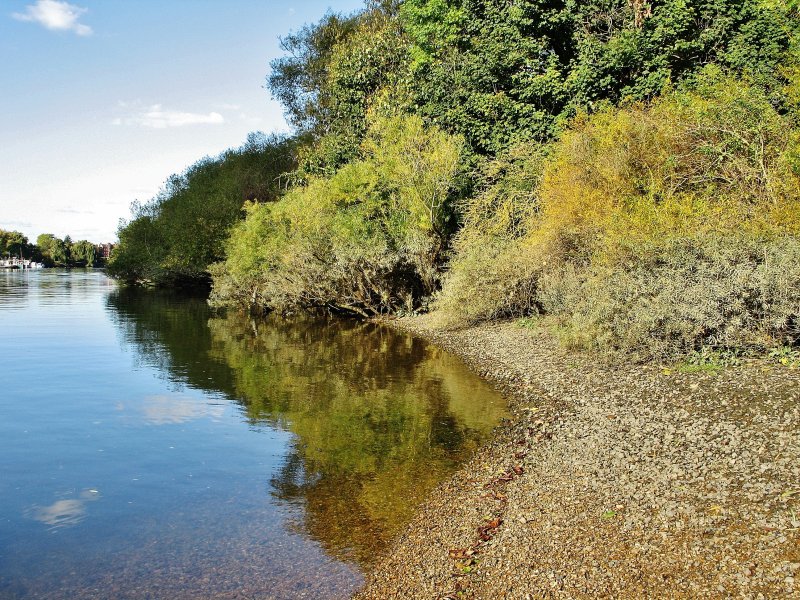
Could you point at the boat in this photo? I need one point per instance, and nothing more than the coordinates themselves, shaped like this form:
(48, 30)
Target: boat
(19, 263)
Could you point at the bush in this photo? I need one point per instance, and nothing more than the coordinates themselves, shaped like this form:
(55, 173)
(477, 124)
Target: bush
(652, 229)
(730, 292)
(493, 273)
(369, 239)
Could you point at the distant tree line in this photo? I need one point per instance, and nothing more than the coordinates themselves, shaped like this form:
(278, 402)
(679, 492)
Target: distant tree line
(51, 251)
(14, 243)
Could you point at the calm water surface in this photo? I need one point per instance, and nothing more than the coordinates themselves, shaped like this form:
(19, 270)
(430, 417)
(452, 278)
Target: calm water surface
(152, 449)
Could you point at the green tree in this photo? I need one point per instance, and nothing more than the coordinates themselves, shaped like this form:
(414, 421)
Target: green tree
(83, 253)
(55, 252)
(504, 72)
(13, 243)
(334, 71)
(173, 238)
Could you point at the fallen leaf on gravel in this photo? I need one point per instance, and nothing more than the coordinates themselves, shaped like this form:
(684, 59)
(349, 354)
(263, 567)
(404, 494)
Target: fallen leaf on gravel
(485, 532)
(465, 566)
(461, 553)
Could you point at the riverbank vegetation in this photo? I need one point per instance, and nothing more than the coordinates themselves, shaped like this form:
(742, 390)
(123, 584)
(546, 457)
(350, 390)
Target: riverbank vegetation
(368, 239)
(651, 229)
(173, 238)
(625, 172)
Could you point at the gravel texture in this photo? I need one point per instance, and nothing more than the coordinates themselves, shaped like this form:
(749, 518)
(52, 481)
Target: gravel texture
(610, 481)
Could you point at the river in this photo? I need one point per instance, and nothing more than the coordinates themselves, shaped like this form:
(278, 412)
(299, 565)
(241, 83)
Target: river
(151, 448)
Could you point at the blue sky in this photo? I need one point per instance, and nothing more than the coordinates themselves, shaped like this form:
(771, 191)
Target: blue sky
(103, 99)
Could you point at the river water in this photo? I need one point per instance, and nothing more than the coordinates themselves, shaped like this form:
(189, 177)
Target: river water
(150, 448)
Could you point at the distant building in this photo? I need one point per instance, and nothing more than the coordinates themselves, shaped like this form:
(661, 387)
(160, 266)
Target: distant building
(104, 251)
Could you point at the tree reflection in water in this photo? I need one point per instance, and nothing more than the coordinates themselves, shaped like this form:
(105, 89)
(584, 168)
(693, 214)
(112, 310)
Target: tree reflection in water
(378, 417)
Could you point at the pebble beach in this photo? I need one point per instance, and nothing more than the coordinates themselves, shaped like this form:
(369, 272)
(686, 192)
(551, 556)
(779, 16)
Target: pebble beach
(623, 481)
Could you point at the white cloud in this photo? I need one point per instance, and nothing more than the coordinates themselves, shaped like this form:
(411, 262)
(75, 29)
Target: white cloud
(156, 117)
(15, 224)
(74, 211)
(56, 16)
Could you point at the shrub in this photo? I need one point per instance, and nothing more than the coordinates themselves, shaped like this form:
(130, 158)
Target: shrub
(652, 229)
(492, 272)
(729, 292)
(704, 162)
(369, 239)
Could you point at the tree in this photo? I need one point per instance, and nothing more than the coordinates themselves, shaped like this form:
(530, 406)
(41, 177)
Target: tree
(12, 243)
(173, 238)
(82, 253)
(333, 73)
(504, 72)
(54, 251)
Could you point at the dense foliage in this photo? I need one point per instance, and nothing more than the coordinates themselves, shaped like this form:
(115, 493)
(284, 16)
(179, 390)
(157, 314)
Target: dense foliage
(14, 243)
(175, 237)
(627, 169)
(330, 77)
(654, 229)
(503, 72)
(368, 239)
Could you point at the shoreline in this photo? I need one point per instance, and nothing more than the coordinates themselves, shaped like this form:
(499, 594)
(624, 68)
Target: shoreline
(609, 480)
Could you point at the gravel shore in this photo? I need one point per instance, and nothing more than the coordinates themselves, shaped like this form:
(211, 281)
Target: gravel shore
(610, 481)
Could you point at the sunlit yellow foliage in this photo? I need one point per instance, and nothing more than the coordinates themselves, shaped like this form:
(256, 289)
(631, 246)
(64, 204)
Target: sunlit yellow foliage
(693, 164)
(636, 200)
(367, 239)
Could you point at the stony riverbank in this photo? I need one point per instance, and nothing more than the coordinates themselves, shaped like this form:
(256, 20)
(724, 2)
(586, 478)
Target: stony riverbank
(623, 481)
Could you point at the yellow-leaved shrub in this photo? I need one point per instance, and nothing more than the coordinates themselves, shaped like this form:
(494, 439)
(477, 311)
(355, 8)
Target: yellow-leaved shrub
(366, 240)
(653, 229)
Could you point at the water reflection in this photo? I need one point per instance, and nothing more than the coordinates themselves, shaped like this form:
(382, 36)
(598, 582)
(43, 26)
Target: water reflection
(48, 287)
(378, 417)
(64, 513)
(174, 409)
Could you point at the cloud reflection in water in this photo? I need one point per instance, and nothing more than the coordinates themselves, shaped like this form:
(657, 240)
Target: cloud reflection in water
(172, 410)
(64, 513)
